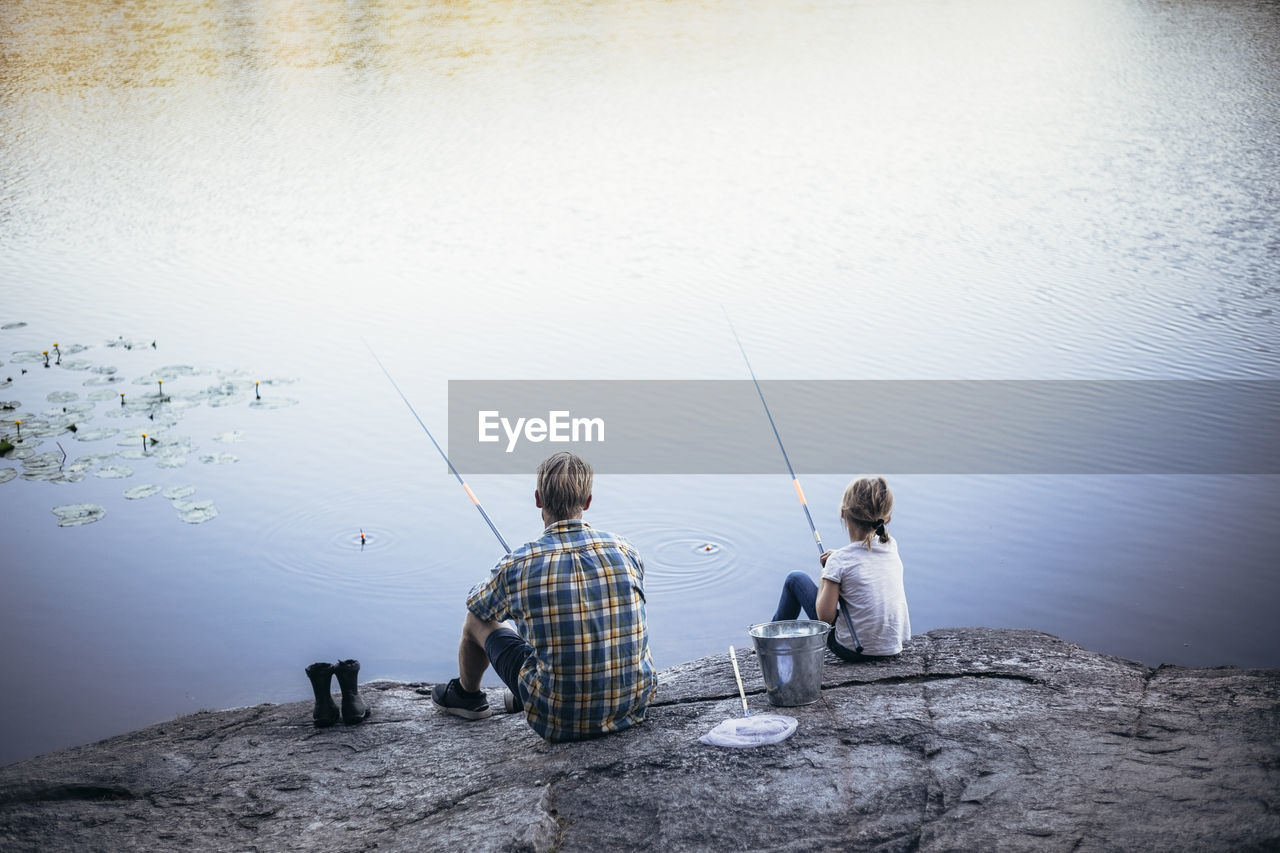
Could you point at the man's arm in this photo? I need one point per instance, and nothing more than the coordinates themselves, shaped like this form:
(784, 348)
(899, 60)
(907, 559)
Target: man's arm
(488, 600)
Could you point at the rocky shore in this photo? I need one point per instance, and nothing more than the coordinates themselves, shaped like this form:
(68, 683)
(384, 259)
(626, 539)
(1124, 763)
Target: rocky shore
(973, 739)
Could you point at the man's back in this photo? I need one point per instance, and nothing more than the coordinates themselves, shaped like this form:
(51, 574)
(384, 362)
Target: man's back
(577, 595)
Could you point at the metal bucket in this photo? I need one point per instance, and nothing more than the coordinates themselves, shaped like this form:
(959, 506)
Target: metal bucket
(790, 655)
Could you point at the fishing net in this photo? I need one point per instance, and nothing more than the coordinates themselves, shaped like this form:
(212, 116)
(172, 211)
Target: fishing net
(746, 732)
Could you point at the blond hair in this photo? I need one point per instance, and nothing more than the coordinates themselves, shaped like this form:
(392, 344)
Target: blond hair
(866, 508)
(564, 482)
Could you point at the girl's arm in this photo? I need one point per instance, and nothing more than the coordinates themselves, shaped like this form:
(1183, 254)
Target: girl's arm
(828, 598)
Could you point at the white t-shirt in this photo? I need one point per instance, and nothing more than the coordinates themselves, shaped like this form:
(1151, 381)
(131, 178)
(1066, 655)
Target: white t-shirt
(871, 586)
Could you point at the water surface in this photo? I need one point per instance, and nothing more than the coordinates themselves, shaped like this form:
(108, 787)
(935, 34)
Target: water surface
(493, 190)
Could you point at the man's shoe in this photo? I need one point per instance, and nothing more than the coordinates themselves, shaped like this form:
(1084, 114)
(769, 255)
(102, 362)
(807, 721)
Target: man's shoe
(510, 703)
(452, 699)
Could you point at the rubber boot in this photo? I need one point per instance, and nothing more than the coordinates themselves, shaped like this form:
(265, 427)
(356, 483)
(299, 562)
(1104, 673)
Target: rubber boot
(326, 712)
(354, 710)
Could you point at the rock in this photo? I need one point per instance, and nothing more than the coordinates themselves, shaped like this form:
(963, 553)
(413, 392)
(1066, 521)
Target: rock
(973, 739)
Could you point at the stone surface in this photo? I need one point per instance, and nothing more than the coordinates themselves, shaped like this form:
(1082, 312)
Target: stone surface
(973, 739)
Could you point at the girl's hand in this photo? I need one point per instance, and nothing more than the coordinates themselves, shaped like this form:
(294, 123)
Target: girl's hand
(823, 558)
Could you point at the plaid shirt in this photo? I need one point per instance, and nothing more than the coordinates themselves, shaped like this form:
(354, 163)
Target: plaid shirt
(577, 596)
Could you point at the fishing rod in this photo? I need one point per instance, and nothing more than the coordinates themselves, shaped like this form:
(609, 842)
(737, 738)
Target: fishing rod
(795, 481)
(475, 500)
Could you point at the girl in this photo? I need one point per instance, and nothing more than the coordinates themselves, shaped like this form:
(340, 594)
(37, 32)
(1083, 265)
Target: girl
(861, 591)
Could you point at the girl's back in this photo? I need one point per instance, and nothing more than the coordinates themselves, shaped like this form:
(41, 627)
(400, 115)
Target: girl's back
(871, 587)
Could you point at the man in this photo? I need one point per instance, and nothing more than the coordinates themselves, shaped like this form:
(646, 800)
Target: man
(579, 666)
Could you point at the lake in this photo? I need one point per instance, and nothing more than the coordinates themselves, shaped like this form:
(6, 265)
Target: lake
(207, 195)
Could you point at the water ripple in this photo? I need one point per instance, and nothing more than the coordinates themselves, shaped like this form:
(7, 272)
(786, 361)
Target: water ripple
(322, 547)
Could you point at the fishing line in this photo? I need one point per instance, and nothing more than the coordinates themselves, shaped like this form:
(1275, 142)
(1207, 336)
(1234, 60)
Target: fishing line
(795, 481)
(475, 500)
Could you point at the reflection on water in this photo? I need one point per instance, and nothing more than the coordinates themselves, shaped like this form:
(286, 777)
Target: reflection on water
(492, 190)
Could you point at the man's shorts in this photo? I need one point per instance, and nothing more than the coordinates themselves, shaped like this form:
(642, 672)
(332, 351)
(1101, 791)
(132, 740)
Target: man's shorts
(507, 653)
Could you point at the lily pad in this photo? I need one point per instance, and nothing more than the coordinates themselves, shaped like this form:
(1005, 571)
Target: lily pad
(134, 404)
(122, 343)
(10, 405)
(41, 428)
(114, 472)
(17, 325)
(81, 465)
(140, 492)
(223, 394)
(273, 403)
(62, 396)
(171, 462)
(177, 493)
(93, 458)
(48, 427)
(96, 434)
(27, 356)
(229, 437)
(168, 446)
(104, 369)
(105, 394)
(94, 381)
(7, 474)
(219, 459)
(166, 374)
(77, 364)
(42, 465)
(81, 408)
(195, 512)
(74, 515)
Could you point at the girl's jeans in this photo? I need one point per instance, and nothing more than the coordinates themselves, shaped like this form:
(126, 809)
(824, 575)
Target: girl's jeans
(799, 592)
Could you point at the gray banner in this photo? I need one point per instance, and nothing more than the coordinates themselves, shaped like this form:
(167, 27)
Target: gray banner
(885, 426)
